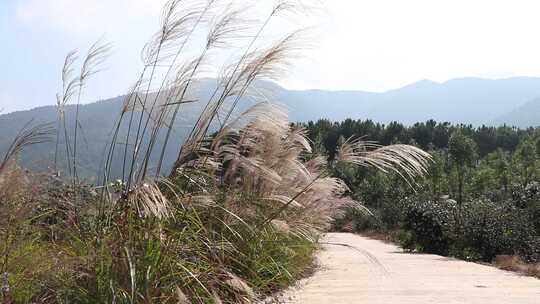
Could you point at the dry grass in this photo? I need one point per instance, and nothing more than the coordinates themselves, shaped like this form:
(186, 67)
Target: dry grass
(27, 136)
(260, 153)
(407, 161)
(516, 264)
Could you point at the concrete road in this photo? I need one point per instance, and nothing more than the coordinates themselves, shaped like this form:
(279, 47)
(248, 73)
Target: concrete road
(373, 272)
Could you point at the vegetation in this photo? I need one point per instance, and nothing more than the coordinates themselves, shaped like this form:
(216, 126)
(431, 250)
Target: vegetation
(480, 198)
(236, 219)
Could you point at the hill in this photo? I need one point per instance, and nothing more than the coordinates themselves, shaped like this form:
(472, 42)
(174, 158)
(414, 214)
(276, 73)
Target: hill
(526, 115)
(467, 100)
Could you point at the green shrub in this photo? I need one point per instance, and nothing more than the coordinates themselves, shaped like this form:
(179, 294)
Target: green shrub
(430, 224)
(481, 231)
(491, 229)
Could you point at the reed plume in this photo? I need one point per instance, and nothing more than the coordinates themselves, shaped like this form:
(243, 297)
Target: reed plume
(96, 56)
(27, 136)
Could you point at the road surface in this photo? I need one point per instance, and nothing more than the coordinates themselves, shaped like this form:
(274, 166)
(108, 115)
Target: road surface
(370, 271)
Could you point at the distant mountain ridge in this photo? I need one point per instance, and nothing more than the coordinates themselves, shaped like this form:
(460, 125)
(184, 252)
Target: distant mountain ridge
(466, 100)
(513, 101)
(524, 116)
(462, 100)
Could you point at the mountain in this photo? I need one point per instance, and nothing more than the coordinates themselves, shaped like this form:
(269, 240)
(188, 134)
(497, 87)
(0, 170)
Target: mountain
(466, 100)
(476, 101)
(96, 121)
(526, 115)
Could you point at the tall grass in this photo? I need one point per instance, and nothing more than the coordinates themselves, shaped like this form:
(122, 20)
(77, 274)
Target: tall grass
(97, 54)
(240, 213)
(69, 85)
(27, 136)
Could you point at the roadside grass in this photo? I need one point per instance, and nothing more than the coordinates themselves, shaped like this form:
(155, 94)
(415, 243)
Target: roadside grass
(239, 215)
(202, 252)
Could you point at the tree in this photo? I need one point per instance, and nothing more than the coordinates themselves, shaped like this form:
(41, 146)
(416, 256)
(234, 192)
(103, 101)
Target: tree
(525, 159)
(462, 151)
(500, 163)
(436, 173)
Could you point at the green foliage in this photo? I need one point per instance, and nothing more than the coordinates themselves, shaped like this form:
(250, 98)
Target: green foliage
(483, 231)
(526, 162)
(483, 179)
(29, 266)
(429, 135)
(462, 149)
(480, 198)
(491, 229)
(430, 224)
(54, 252)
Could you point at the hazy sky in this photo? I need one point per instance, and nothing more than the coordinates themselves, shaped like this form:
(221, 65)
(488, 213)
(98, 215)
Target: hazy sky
(370, 45)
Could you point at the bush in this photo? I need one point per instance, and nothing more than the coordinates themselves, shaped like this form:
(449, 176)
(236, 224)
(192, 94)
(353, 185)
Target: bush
(528, 198)
(491, 229)
(481, 231)
(429, 224)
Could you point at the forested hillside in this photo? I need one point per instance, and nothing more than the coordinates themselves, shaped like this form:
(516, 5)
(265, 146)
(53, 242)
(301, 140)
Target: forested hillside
(471, 101)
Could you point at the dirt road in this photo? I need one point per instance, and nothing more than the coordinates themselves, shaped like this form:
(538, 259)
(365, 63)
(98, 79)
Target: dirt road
(373, 272)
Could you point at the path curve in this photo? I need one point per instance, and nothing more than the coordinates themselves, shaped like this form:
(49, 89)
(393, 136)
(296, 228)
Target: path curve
(350, 276)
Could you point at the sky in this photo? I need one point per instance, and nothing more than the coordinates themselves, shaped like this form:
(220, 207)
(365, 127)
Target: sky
(371, 45)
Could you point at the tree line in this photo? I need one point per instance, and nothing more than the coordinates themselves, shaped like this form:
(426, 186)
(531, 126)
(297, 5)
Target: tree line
(429, 135)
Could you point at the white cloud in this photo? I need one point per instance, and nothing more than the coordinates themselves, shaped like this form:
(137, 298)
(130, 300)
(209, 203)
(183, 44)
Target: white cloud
(87, 16)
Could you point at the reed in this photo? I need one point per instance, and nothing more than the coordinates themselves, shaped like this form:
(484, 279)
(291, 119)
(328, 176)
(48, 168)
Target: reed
(239, 215)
